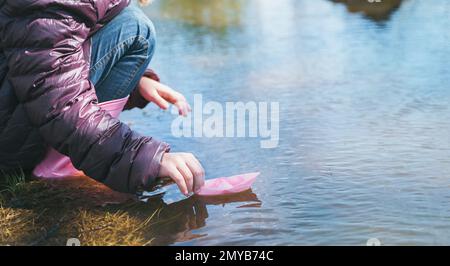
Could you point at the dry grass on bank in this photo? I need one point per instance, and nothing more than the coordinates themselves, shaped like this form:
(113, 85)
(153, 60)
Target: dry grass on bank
(50, 212)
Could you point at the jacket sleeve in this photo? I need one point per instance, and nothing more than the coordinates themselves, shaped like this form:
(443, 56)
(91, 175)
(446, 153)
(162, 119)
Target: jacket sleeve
(49, 70)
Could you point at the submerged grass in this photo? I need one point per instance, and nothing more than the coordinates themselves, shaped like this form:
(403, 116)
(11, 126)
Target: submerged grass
(36, 212)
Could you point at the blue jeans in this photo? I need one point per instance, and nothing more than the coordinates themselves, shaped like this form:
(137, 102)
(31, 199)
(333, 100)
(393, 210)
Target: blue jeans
(121, 52)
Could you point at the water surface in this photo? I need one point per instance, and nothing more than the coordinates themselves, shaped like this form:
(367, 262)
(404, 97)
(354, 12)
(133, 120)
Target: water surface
(364, 98)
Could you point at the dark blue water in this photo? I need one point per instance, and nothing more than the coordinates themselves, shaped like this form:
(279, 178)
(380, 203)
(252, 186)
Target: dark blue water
(364, 95)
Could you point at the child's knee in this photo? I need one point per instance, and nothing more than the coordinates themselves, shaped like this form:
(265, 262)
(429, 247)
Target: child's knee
(145, 28)
(137, 23)
(148, 31)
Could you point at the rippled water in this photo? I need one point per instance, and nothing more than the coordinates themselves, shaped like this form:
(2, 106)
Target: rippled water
(364, 99)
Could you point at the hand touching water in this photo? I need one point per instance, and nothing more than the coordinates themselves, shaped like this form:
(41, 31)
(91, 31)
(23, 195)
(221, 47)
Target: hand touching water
(163, 95)
(183, 168)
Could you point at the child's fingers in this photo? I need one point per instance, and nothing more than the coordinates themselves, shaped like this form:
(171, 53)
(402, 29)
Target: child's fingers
(179, 180)
(198, 172)
(188, 176)
(167, 93)
(183, 108)
(158, 100)
(199, 166)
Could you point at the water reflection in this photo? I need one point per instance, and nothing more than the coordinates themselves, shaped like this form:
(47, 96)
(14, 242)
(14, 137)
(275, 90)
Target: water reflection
(376, 10)
(364, 117)
(221, 14)
(179, 220)
(217, 14)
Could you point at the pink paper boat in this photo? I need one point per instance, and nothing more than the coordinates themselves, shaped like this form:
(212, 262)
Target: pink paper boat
(228, 185)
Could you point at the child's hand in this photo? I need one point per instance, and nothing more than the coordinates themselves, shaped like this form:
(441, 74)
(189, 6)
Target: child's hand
(185, 170)
(162, 95)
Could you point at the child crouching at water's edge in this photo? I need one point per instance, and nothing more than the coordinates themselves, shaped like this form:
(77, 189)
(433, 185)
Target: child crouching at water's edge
(79, 59)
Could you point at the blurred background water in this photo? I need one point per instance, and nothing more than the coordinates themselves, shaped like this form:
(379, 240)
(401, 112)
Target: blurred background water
(364, 99)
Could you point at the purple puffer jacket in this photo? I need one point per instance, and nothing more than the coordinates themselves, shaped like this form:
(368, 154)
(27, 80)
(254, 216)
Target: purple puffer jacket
(46, 98)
